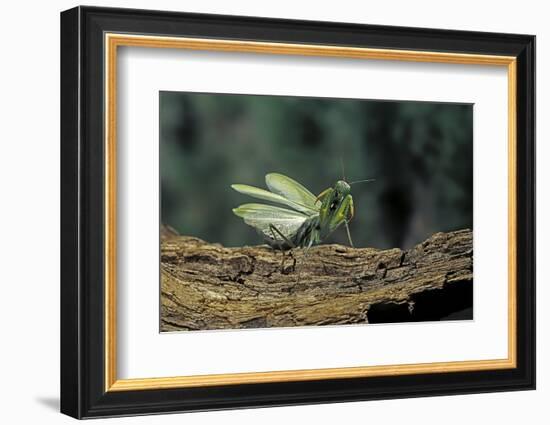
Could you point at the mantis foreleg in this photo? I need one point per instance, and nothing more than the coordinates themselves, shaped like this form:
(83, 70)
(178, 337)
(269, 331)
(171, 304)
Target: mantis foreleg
(349, 212)
(349, 234)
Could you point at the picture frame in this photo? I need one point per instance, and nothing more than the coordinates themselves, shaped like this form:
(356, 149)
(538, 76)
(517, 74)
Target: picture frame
(90, 40)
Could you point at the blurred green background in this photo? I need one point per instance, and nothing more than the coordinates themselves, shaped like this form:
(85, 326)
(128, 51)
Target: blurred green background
(420, 153)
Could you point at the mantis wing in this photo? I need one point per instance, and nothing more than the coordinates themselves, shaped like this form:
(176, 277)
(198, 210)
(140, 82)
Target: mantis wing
(261, 216)
(291, 189)
(273, 197)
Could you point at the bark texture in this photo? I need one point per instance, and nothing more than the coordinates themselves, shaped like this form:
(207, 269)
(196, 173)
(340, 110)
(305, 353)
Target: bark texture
(208, 286)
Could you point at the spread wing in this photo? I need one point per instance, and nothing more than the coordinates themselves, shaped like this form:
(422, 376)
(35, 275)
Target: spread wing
(292, 190)
(260, 216)
(274, 197)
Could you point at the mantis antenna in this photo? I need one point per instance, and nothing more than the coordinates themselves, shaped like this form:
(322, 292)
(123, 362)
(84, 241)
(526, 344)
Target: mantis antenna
(363, 181)
(344, 174)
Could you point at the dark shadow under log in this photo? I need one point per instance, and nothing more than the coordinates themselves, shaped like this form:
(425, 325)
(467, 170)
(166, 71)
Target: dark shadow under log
(207, 286)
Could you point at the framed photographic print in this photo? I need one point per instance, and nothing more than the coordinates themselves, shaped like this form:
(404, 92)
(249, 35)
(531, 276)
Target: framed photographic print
(261, 212)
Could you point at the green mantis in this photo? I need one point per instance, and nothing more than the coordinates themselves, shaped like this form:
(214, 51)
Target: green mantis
(305, 219)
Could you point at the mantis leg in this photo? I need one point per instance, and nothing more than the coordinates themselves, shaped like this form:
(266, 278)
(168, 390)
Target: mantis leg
(349, 234)
(274, 230)
(293, 259)
(271, 227)
(306, 250)
(349, 212)
(322, 195)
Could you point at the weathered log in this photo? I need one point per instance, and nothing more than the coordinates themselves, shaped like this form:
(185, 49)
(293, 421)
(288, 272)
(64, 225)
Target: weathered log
(208, 286)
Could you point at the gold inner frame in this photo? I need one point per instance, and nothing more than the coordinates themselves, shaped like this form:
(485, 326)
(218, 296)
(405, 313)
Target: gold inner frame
(113, 41)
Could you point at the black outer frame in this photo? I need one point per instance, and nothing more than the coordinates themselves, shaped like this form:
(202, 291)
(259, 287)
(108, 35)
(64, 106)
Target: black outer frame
(82, 216)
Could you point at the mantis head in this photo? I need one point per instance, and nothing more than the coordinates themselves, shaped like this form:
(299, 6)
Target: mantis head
(342, 188)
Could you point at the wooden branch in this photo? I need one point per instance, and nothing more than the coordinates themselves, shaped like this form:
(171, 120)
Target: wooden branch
(208, 286)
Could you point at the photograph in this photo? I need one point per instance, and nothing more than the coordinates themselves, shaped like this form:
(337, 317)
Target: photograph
(289, 211)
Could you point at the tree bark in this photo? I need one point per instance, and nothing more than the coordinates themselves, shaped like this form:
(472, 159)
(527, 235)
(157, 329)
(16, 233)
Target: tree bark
(208, 286)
